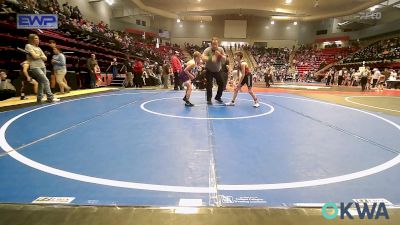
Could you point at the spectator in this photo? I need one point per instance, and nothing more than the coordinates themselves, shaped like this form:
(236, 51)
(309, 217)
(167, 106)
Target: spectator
(53, 81)
(383, 50)
(36, 59)
(375, 76)
(79, 75)
(363, 79)
(114, 68)
(128, 72)
(144, 77)
(340, 76)
(60, 70)
(329, 77)
(7, 90)
(90, 64)
(76, 13)
(137, 73)
(381, 82)
(101, 26)
(97, 72)
(176, 69)
(26, 79)
(66, 10)
(166, 71)
(393, 75)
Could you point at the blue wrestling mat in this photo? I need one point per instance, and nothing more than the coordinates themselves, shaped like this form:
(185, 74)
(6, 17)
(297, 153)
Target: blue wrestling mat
(148, 149)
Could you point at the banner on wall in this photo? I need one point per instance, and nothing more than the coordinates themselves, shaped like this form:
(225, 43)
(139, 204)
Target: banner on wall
(163, 33)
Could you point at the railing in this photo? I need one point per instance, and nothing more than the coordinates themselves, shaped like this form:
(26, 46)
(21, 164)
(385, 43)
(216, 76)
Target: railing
(248, 60)
(251, 57)
(230, 57)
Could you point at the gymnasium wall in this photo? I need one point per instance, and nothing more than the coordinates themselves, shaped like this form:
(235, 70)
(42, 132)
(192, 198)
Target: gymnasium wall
(235, 29)
(261, 29)
(389, 23)
(118, 24)
(282, 34)
(126, 16)
(95, 11)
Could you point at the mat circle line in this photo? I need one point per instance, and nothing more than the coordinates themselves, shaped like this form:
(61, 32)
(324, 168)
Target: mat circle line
(347, 99)
(187, 189)
(142, 106)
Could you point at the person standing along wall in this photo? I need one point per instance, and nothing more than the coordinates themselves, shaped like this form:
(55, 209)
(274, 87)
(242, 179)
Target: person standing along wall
(128, 72)
(137, 73)
(375, 77)
(363, 80)
(114, 68)
(60, 70)
(53, 44)
(176, 69)
(36, 59)
(90, 64)
(166, 69)
(329, 75)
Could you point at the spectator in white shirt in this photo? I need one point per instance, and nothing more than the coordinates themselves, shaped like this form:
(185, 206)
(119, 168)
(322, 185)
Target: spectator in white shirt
(375, 77)
(393, 75)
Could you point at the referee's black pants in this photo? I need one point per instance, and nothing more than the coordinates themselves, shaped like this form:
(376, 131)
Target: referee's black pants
(218, 77)
(363, 82)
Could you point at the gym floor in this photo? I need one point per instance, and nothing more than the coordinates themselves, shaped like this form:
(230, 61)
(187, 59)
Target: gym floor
(145, 148)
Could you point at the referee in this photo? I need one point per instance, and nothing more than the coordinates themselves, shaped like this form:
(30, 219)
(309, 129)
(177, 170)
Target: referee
(214, 56)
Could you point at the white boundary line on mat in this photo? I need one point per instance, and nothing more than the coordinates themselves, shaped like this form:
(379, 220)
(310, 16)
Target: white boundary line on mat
(186, 189)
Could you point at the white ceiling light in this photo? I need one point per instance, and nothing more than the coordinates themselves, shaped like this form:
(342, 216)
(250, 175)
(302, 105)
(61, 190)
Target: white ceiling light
(178, 20)
(198, 0)
(316, 4)
(272, 22)
(295, 23)
(344, 23)
(110, 2)
(281, 17)
(373, 8)
(287, 2)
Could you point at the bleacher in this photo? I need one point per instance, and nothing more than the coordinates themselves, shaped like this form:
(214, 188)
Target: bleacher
(308, 59)
(77, 43)
(379, 51)
(277, 57)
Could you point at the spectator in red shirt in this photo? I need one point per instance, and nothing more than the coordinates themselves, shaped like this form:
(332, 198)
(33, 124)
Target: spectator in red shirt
(176, 69)
(137, 73)
(101, 26)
